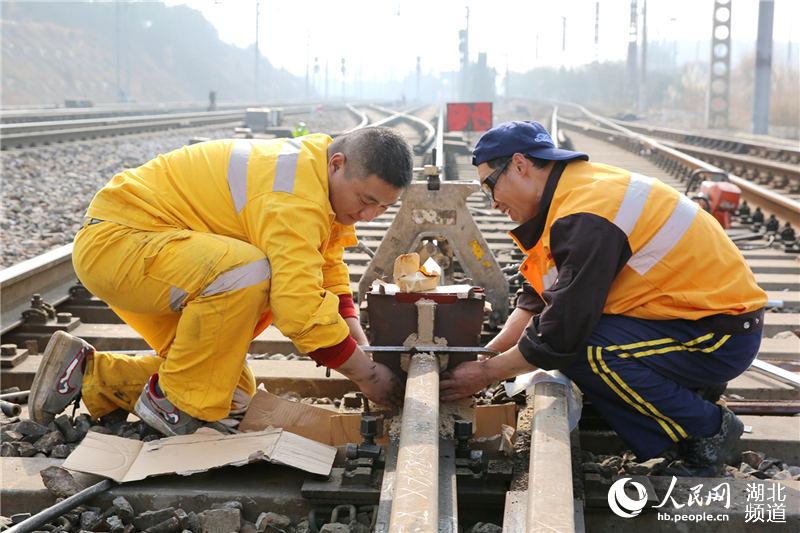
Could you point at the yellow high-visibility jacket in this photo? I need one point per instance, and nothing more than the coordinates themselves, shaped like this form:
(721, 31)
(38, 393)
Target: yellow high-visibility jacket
(607, 241)
(270, 193)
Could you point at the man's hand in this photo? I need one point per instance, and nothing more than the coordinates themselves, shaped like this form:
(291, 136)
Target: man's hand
(382, 386)
(464, 380)
(375, 380)
(468, 378)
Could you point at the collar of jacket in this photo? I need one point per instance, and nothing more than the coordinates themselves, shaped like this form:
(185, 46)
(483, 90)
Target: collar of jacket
(529, 232)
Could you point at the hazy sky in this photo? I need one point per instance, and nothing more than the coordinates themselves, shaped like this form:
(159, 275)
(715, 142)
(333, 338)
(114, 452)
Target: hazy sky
(383, 38)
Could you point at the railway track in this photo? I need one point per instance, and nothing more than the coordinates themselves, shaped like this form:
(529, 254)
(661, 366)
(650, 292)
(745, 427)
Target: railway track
(777, 150)
(14, 115)
(772, 186)
(27, 134)
(30, 133)
(764, 394)
(43, 114)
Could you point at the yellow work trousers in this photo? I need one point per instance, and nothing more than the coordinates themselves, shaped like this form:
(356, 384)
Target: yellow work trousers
(194, 297)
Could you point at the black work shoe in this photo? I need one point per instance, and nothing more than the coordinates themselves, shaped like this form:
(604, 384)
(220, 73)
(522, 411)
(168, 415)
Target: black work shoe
(712, 393)
(159, 413)
(59, 379)
(712, 452)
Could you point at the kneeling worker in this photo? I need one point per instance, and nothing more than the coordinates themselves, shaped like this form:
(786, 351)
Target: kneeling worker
(632, 291)
(200, 249)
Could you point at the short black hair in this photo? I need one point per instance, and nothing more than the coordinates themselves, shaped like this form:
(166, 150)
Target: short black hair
(376, 150)
(500, 161)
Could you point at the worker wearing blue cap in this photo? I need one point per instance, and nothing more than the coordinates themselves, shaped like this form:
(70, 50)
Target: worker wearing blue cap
(631, 290)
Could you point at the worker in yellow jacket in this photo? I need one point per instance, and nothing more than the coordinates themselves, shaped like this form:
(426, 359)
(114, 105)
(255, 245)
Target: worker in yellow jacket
(632, 291)
(202, 248)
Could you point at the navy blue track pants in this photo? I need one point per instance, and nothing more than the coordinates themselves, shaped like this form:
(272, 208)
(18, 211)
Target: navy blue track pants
(639, 374)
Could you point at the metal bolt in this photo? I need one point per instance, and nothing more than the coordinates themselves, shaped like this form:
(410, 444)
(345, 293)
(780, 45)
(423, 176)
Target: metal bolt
(63, 318)
(36, 301)
(772, 224)
(32, 346)
(462, 429)
(8, 349)
(369, 428)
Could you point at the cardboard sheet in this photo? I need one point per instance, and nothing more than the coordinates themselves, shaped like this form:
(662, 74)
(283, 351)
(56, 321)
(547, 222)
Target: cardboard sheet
(489, 419)
(128, 460)
(310, 421)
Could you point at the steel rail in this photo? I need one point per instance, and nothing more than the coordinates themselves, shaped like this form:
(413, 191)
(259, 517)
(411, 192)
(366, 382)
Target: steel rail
(427, 130)
(743, 146)
(755, 168)
(18, 135)
(554, 126)
(50, 274)
(439, 145)
(551, 503)
(81, 124)
(115, 127)
(683, 164)
(22, 116)
(362, 117)
(415, 507)
(12, 116)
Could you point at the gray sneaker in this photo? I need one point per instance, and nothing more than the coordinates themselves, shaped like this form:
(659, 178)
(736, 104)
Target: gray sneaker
(160, 414)
(59, 379)
(715, 450)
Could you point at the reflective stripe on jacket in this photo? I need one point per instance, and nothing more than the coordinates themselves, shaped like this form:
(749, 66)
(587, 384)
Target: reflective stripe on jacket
(606, 241)
(270, 193)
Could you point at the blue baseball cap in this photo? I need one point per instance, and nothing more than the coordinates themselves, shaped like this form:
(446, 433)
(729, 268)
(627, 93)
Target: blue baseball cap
(525, 137)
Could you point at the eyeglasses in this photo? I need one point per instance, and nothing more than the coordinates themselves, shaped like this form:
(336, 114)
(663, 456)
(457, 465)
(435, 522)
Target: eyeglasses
(488, 185)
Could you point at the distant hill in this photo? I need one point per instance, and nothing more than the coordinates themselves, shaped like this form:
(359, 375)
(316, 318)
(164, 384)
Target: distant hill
(54, 51)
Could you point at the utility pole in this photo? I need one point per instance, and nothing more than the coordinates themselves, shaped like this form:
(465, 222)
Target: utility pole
(463, 47)
(633, 59)
(308, 39)
(343, 78)
(326, 79)
(316, 74)
(116, 48)
(643, 70)
(761, 92)
(563, 34)
(508, 85)
(255, 72)
(596, 30)
(419, 72)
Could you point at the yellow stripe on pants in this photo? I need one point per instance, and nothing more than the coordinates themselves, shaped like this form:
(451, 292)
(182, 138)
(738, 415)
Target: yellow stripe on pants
(687, 346)
(632, 398)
